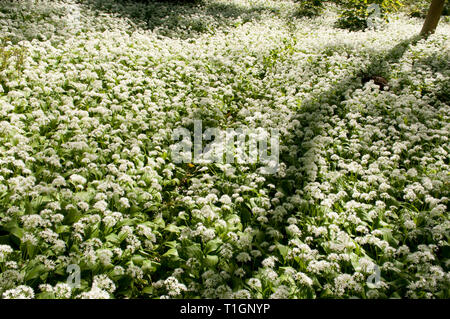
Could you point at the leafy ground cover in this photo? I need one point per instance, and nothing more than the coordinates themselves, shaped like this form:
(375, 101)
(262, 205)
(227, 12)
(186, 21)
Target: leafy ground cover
(91, 90)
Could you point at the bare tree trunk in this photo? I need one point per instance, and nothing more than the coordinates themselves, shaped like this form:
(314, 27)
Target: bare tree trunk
(432, 19)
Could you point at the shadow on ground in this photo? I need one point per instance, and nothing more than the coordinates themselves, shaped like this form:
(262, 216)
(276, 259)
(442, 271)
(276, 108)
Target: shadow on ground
(310, 116)
(180, 20)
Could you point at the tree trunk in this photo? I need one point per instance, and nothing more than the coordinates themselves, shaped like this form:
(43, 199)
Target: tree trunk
(432, 19)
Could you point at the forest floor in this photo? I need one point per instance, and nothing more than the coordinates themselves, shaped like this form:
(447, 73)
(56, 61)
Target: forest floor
(355, 204)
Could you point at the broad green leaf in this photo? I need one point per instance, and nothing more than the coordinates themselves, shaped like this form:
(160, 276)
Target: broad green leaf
(148, 290)
(45, 295)
(62, 229)
(34, 272)
(327, 293)
(113, 238)
(172, 228)
(171, 253)
(159, 222)
(387, 236)
(283, 250)
(171, 244)
(355, 261)
(72, 217)
(150, 266)
(138, 260)
(395, 295)
(211, 260)
(194, 251)
(212, 245)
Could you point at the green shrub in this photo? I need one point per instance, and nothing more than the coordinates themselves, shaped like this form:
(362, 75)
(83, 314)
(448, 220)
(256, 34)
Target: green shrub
(419, 8)
(357, 13)
(309, 8)
(446, 11)
(8, 56)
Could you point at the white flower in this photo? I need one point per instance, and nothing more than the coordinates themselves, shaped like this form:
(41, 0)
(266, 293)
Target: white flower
(303, 279)
(94, 293)
(282, 292)
(269, 262)
(293, 230)
(104, 283)
(77, 179)
(225, 199)
(173, 287)
(105, 255)
(124, 202)
(255, 283)
(20, 292)
(101, 205)
(62, 291)
(243, 257)
(5, 250)
(409, 224)
(242, 294)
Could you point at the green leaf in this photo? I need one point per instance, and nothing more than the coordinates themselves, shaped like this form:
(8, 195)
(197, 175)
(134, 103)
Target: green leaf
(14, 229)
(31, 250)
(138, 260)
(126, 222)
(212, 245)
(17, 232)
(159, 222)
(62, 229)
(172, 228)
(283, 250)
(85, 196)
(60, 270)
(246, 216)
(387, 236)
(259, 236)
(122, 236)
(45, 295)
(150, 266)
(72, 217)
(354, 258)
(172, 253)
(395, 295)
(113, 238)
(35, 272)
(171, 244)
(4, 240)
(211, 260)
(327, 293)
(148, 290)
(194, 251)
